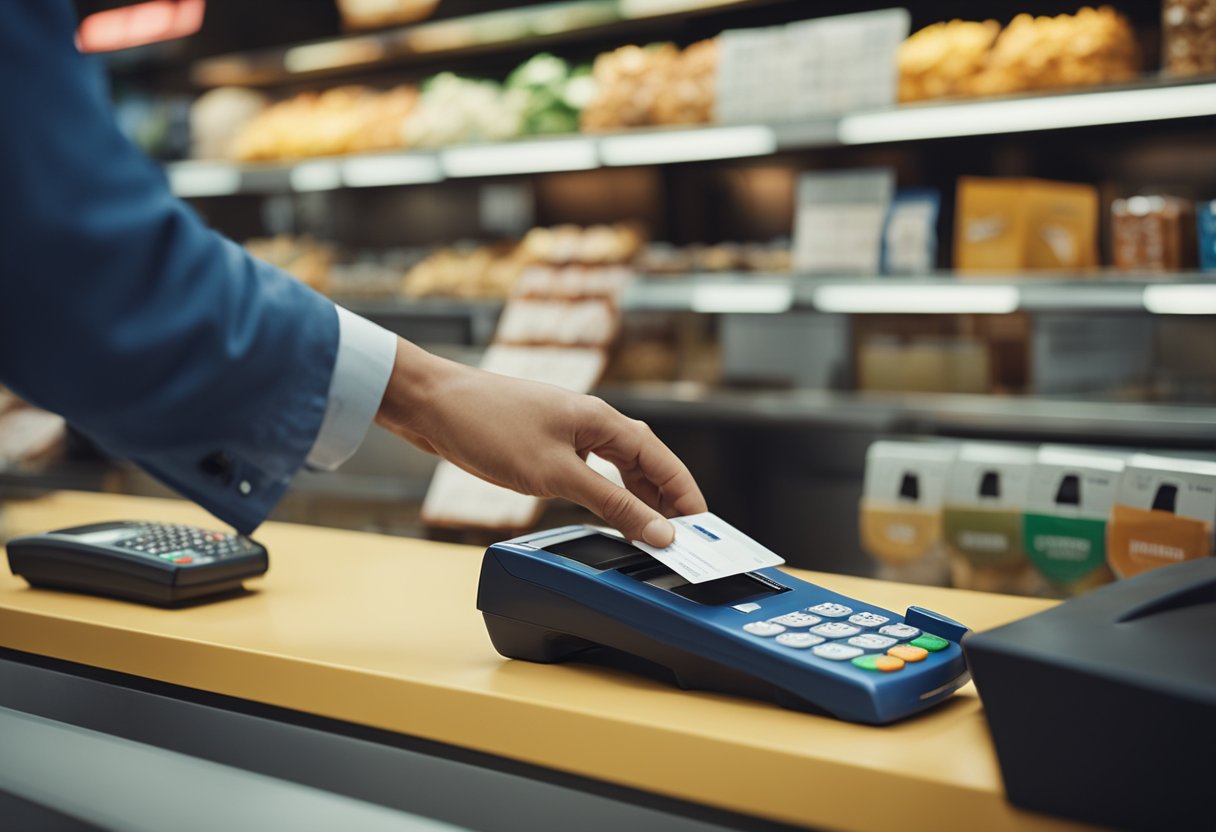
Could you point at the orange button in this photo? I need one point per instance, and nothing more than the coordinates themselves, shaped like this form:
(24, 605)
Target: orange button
(908, 653)
(184, 559)
(888, 664)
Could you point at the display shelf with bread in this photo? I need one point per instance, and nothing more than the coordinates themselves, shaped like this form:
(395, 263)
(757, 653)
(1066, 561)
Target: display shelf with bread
(1130, 104)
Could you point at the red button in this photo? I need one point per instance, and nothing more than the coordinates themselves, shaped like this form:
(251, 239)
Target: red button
(184, 559)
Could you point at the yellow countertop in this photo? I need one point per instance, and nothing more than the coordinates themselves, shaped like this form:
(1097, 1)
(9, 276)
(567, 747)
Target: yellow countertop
(384, 631)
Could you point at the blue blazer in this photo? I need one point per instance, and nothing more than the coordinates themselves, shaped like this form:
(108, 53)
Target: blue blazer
(119, 309)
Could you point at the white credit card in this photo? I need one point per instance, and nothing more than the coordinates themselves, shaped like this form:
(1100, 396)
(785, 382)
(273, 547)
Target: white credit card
(707, 547)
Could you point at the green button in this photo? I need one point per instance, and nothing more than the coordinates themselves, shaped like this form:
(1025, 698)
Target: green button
(866, 662)
(930, 642)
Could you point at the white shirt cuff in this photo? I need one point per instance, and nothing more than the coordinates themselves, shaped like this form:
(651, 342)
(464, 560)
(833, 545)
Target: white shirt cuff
(366, 353)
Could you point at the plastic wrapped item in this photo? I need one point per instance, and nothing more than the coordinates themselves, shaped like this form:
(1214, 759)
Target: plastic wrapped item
(1153, 233)
(1189, 29)
(909, 240)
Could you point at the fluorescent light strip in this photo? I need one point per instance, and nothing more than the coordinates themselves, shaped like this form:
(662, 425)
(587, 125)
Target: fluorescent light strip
(1024, 114)
(401, 169)
(519, 157)
(1180, 300)
(316, 176)
(688, 145)
(762, 298)
(916, 299)
(188, 179)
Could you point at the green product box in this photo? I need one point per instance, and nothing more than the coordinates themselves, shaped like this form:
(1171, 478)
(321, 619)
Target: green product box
(1065, 550)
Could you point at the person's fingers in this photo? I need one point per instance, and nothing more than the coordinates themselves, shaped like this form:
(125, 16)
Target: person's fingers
(633, 448)
(622, 510)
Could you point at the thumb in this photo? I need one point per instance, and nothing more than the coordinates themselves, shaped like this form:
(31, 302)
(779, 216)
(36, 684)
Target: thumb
(620, 508)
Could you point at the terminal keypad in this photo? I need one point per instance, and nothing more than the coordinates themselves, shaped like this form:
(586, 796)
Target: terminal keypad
(868, 640)
(182, 544)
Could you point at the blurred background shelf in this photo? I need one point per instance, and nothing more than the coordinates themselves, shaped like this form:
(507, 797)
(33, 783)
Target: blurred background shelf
(935, 414)
(1135, 104)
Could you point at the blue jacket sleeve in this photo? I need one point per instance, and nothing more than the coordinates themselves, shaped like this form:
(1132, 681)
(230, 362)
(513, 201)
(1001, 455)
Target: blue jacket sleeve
(120, 310)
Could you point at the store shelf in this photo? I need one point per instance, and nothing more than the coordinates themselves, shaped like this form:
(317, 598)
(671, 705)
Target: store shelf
(1185, 294)
(1145, 102)
(530, 28)
(1089, 421)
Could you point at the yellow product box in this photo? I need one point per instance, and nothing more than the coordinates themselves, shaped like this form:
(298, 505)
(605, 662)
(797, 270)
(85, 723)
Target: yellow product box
(900, 513)
(1013, 224)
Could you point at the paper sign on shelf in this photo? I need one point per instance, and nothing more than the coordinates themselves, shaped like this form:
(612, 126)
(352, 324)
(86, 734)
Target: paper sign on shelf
(707, 547)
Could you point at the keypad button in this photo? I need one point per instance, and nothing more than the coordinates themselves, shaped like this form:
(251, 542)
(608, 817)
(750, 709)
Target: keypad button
(796, 619)
(835, 629)
(763, 628)
(899, 631)
(868, 619)
(830, 610)
(929, 642)
(870, 641)
(799, 640)
(836, 651)
(908, 653)
(883, 664)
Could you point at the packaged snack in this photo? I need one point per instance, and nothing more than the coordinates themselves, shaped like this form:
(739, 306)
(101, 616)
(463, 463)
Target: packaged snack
(1152, 233)
(1164, 513)
(1206, 220)
(1189, 29)
(985, 498)
(900, 510)
(909, 240)
(1071, 494)
(1023, 224)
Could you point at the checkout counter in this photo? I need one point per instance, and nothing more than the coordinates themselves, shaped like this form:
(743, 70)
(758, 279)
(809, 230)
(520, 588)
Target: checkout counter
(359, 668)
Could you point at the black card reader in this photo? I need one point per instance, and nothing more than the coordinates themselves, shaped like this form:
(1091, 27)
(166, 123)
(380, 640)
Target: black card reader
(153, 563)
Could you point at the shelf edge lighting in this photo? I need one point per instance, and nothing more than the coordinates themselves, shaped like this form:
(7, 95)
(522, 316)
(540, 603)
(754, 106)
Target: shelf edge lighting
(1021, 115)
(316, 176)
(917, 299)
(695, 145)
(1180, 300)
(519, 157)
(742, 298)
(187, 179)
(405, 169)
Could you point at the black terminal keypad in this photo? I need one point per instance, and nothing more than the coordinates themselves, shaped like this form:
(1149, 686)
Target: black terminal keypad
(175, 541)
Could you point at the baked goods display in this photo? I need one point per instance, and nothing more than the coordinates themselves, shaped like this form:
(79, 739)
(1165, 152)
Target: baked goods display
(1189, 27)
(668, 259)
(493, 271)
(302, 257)
(367, 14)
(638, 86)
(941, 61)
(348, 119)
(1091, 47)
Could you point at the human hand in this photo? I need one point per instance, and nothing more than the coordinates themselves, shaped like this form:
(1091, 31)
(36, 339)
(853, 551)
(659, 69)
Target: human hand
(534, 438)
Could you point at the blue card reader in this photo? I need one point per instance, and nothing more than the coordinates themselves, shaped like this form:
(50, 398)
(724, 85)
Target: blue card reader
(576, 593)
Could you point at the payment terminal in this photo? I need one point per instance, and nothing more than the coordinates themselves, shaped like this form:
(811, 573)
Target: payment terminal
(577, 593)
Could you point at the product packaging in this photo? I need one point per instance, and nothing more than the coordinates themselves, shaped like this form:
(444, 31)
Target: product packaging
(1016, 224)
(900, 510)
(909, 240)
(985, 497)
(1206, 219)
(1164, 513)
(1064, 528)
(839, 220)
(1153, 233)
(1189, 28)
